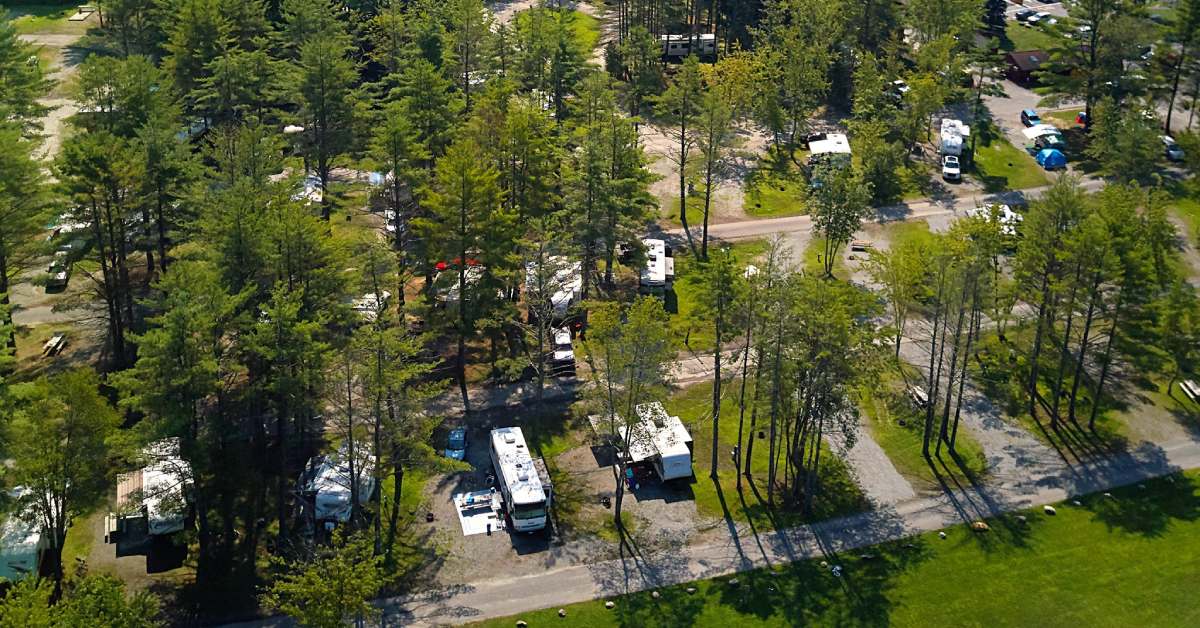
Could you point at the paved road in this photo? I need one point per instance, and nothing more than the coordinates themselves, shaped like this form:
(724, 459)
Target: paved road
(498, 597)
(753, 229)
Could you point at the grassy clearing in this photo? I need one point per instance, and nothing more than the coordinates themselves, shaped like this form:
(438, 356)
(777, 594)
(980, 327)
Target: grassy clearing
(901, 232)
(897, 426)
(691, 328)
(1002, 166)
(776, 188)
(1020, 38)
(1063, 570)
(585, 29)
(1063, 118)
(916, 180)
(839, 495)
(813, 259)
(44, 17)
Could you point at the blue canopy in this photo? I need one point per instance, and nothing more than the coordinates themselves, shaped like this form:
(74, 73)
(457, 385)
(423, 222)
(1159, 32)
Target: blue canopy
(1051, 159)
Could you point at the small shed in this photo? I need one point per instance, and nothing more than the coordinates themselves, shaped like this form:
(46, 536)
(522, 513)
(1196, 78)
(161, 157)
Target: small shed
(1019, 67)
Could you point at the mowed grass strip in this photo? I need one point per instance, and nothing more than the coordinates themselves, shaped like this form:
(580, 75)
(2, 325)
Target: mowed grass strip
(1131, 559)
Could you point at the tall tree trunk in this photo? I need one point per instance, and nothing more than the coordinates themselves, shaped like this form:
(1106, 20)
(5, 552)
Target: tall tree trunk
(1106, 360)
(1083, 347)
(716, 389)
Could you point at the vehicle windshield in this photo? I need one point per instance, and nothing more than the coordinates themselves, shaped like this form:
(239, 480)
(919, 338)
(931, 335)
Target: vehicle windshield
(529, 511)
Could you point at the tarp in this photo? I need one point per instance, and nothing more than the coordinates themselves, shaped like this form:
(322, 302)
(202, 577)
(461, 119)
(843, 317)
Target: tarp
(1051, 159)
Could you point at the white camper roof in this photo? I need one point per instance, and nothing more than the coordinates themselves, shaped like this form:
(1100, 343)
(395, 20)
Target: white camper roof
(567, 280)
(1039, 130)
(20, 542)
(330, 480)
(833, 143)
(703, 37)
(671, 438)
(516, 466)
(655, 271)
(952, 127)
(164, 482)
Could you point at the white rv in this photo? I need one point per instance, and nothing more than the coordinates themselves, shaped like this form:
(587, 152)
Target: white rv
(680, 46)
(659, 271)
(328, 480)
(832, 144)
(954, 134)
(660, 440)
(525, 496)
(158, 492)
(564, 287)
(21, 542)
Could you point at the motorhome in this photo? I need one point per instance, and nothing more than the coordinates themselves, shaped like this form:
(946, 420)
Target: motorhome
(563, 288)
(21, 542)
(659, 271)
(680, 46)
(328, 481)
(661, 441)
(526, 499)
(832, 144)
(1009, 220)
(446, 282)
(158, 492)
(369, 306)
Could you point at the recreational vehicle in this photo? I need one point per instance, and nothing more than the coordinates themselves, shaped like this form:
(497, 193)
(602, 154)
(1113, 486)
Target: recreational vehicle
(327, 480)
(562, 289)
(158, 492)
(659, 271)
(680, 46)
(525, 497)
(662, 441)
(21, 542)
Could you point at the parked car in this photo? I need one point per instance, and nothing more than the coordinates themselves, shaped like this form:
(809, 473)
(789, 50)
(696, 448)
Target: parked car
(1173, 150)
(456, 443)
(1044, 18)
(1029, 117)
(951, 169)
(1024, 14)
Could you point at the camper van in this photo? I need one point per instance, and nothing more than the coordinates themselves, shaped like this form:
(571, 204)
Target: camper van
(680, 46)
(327, 481)
(659, 271)
(526, 498)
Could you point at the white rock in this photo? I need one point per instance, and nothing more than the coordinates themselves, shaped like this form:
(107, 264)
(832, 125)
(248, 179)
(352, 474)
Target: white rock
(521, 623)
(1049, 510)
(691, 590)
(609, 604)
(1022, 518)
(941, 535)
(562, 612)
(655, 594)
(1076, 502)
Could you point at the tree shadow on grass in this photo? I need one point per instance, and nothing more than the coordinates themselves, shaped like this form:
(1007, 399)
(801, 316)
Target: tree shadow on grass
(1147, 511)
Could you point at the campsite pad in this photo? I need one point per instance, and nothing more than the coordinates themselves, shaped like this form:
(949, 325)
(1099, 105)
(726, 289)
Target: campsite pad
(476, 510)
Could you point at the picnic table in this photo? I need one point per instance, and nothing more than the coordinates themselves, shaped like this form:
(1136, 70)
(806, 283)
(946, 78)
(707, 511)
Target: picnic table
(54, 345)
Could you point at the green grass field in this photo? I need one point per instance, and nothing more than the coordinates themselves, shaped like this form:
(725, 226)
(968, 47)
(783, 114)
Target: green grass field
(776, 189)
(839, 494)
(44, 17)
(692, 330)
(814, 265)
(1020, 37)
(1002, 166)
(1127, 560)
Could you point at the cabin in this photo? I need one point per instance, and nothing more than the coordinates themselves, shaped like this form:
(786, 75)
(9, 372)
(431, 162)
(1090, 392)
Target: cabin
(1019, 67)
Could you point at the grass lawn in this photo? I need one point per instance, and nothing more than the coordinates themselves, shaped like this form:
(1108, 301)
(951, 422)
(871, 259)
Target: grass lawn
(898, 427)
(1128, 560)
(903, 231)
(691, 329)
(776, 188)
(1002, 166)
(45, 17)
(839, 495)
(814, 265)
(1020, 37)
(915, 180)
(1063, 119)
(585, 28)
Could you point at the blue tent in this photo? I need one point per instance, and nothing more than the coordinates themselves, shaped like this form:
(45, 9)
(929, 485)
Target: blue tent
(1051, 159)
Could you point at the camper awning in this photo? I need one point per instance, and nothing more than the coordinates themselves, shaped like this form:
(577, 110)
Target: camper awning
(1039, 130)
